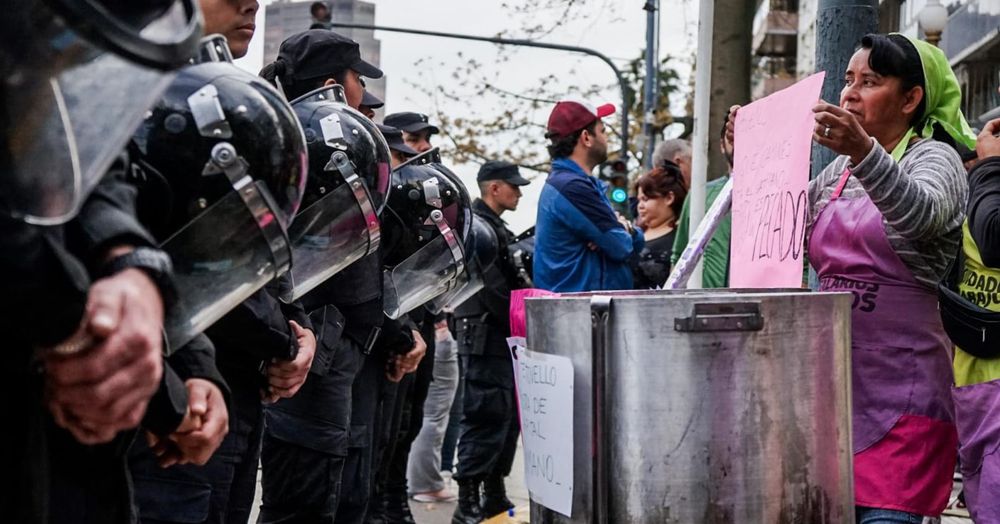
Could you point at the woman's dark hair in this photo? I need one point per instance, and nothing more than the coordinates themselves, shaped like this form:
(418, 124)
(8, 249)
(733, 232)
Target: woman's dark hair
(894, 55)
(663, 180)
(563, 147)
(296, 87)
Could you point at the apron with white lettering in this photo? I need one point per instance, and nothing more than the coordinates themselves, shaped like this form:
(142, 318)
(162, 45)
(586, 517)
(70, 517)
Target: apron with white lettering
(904, 435)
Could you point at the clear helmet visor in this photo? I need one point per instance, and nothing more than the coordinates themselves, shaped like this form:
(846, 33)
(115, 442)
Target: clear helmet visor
(332, 233)
(466, 286)
(427, 273)
(224, 255)
(70, 106)
(480, 253)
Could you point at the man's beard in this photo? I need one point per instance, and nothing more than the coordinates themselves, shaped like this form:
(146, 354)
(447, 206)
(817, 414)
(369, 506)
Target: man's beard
(598, 154)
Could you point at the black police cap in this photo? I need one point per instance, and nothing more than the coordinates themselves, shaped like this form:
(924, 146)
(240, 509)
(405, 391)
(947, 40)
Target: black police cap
(394, 138)
(320, 52)
(501, 170)
(411, 122)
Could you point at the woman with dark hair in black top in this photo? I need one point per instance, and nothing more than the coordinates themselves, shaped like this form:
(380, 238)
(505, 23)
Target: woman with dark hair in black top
(661, 195)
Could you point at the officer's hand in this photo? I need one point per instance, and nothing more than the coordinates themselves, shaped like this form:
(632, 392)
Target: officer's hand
(393, 373)
(408, 363)
(104, 388)
(285, 377)
(166, 450)
(988, 144)
(196, 446)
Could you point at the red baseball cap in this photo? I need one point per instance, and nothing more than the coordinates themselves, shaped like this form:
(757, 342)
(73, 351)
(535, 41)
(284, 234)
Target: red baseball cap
(570, 116)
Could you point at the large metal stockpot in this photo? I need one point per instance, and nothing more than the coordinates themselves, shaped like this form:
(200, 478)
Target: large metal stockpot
(705, 406)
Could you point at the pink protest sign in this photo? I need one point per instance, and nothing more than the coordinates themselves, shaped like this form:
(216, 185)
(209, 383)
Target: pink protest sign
(770, 187)
(518, 309)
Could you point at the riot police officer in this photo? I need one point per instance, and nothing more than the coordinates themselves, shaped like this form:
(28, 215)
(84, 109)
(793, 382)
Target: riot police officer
(315, 440)
(429, 196)
(220, 172)
(489, 426)
(416, 127)
(81, 278)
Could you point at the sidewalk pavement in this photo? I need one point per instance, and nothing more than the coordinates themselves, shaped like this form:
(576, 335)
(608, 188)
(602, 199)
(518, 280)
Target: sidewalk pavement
(440, 512)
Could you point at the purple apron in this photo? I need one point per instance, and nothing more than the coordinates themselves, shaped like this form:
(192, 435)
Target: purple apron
(978, 407)
(904, 436)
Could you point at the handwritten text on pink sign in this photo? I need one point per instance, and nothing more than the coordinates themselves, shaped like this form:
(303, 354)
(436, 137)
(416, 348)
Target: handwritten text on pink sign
(770, 184)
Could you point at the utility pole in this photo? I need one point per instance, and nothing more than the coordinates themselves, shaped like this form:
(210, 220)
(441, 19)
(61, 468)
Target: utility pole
(840, 24)
(651, 84)
(722, 78)
(700, 144)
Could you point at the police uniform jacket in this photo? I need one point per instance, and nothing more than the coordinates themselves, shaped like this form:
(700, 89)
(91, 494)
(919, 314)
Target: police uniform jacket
(489, 309)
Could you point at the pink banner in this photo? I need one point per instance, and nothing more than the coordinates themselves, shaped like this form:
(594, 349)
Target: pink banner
(518, 315)
(770, 187)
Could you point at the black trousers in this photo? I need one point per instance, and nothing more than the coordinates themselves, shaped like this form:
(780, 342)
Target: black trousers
(306, 442)
(406, 420)
(221, 491)
(490, 426)
(87, 484)
(357, 480)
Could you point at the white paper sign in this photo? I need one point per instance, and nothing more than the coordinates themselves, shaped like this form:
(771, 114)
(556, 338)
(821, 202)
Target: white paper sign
(545, 398)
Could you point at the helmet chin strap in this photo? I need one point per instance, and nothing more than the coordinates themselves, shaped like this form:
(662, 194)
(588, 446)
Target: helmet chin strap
(339, 162)
(225, 160)
(450, 238)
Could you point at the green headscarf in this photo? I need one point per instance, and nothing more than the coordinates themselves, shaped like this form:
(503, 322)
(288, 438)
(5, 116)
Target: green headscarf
(943, 100)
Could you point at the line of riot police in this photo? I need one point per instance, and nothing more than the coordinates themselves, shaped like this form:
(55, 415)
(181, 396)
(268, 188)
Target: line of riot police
(204, 270)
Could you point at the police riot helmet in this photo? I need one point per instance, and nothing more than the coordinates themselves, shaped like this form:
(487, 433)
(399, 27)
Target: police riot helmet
(481, 254)
(427, 218)
(221, 167)
(78, 76)
(349, 165)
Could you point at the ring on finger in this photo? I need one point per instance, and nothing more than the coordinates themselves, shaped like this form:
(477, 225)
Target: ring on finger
(826, 132)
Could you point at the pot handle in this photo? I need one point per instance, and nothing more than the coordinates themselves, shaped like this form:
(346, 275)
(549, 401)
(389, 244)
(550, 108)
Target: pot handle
(721, 316)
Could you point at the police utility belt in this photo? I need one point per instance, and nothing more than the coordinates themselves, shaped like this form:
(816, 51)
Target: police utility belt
(974, 329)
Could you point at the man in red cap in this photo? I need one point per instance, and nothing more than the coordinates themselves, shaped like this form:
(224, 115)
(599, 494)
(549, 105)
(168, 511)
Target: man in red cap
(581, 244)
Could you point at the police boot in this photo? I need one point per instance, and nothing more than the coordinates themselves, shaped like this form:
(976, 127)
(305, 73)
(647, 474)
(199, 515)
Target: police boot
(397, 508)
(495, 499)
(377, 511)
(468, 511)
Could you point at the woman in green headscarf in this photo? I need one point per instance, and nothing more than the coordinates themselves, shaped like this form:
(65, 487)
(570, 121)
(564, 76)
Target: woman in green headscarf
(885, 221)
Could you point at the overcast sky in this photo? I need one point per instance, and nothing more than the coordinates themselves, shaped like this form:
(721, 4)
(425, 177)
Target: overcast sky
(618, 31)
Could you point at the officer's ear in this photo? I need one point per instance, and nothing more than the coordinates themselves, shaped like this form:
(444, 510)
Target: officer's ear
(331, 82)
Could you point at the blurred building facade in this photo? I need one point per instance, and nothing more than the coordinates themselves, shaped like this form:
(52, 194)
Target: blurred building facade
(971, 41)
(775, 46)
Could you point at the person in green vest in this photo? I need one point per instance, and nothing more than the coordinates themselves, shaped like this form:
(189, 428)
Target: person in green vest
(977, 366)
(716, 257)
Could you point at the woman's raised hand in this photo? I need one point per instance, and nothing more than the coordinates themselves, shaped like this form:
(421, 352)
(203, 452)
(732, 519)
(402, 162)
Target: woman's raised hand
(839, 130)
